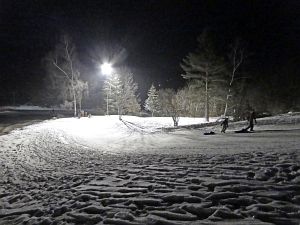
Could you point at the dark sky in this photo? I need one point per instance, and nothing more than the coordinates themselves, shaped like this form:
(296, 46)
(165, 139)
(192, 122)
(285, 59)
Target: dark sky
(154, 35)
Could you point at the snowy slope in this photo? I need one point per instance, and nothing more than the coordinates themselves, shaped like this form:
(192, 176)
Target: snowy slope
(101, 170)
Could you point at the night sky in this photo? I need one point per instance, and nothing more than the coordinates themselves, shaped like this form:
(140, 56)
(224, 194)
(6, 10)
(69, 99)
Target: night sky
(151, 37)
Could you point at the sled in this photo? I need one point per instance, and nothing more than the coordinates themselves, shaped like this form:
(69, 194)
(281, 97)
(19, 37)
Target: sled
(209, 133)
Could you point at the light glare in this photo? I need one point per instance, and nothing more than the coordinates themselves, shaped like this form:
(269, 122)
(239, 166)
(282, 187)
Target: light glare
(106, 69)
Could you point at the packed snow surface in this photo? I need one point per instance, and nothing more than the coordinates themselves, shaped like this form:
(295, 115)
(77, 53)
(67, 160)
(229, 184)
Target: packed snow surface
(103, 170)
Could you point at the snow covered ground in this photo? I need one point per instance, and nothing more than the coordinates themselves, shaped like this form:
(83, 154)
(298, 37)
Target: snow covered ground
(101, 170)
(23, 107)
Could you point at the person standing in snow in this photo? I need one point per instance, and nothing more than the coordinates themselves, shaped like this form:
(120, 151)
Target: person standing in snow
(251, 118)
(53, 114)
(224, 125)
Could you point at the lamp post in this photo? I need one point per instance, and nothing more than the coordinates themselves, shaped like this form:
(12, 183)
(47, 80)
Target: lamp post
(107, 112)
(106, 69)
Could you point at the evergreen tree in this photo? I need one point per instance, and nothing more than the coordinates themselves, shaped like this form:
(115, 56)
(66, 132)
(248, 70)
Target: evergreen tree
(113, 90)
(130, 98)
(121, 93)
(203, 65)
(151, 103)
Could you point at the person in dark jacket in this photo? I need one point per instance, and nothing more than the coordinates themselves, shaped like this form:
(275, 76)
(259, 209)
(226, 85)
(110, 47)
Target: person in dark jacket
(224, 125)
(252, 119)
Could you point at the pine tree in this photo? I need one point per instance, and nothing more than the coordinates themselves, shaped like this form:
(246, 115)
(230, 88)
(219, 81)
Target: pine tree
(121, 93)
(113, 90)
(130, 98)
(151, 103)
(203, 65)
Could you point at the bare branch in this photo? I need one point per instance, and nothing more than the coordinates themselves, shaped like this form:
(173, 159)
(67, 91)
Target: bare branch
(54, 61)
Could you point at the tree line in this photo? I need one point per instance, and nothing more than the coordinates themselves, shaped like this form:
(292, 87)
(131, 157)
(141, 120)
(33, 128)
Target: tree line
(219, 84)
(216, 84)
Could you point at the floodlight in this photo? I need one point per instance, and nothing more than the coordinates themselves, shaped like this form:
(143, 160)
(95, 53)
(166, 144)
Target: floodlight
(106, 69)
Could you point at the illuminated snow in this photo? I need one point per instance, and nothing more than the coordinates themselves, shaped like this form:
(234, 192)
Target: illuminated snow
(54, 167)
(109, 130)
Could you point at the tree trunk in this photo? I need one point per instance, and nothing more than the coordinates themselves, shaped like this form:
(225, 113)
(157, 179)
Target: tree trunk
(79, 104)
(120, 112)
(226, 106)
(226, 103)
(175, 120)
(206, 99)
(74, 100)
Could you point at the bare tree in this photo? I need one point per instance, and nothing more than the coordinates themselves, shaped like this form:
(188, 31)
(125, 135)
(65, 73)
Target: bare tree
(64, 60)
(81, 90)
(171, 103)
(195, 98)
(55, 92)
(236, 57)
